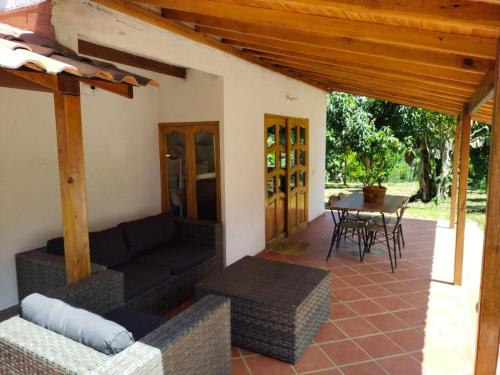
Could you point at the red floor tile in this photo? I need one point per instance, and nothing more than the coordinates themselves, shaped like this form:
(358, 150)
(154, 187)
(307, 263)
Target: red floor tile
(340, 311)
(343, 271)
(372, 291)
(392, 303)
(368, 368)
(235, 353)
(381, 277)
(313, 359)
(344, 352)
(356, 280)
(413, 317)
(365, 307)
(386, 322)
(378, 346)
(404, 364)
(354, 327)
(261, 365)
(239, 367)
(416, 299)
(329, 332)
(408, 339)
(348, 294)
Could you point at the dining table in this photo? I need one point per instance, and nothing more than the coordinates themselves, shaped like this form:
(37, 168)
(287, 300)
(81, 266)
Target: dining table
(391, 205)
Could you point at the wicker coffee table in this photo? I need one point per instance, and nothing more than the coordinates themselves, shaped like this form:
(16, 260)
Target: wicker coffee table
(276, 308)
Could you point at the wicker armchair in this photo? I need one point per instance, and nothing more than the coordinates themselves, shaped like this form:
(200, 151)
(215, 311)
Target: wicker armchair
(41, 272)
(195, 342)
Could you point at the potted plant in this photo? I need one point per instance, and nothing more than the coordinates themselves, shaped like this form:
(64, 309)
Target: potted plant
(378, 152)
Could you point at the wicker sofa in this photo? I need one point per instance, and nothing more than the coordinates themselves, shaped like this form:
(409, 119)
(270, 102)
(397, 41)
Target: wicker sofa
(197, 341)
(149, 285)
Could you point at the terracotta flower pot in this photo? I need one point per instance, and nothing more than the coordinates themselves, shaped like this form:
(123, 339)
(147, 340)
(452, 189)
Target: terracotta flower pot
(374, 194)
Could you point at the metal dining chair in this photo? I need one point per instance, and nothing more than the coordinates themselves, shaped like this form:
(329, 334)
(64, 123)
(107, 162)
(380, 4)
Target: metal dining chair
(343, 222)
(387, 229)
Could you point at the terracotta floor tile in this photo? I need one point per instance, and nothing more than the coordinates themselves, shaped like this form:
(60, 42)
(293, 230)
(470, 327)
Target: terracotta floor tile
(378, 346)
(392, 303)
(372, 291)
(364, 268)
(348, 294)
(344, 352)
(338, 283)
(381, 277)
(416, 299)
(365, 307)
(340, 311)
(235, 353)
(238, 367)
(398, 287)
(404, 365)
(386, 322)
(343, 271)
(329, 332)
(355, 327)
(368, 368)
(246, 353)
(356, 280)
(413, 317)
(261, 365)
(313, 359)
(409, 339)
(330, 371)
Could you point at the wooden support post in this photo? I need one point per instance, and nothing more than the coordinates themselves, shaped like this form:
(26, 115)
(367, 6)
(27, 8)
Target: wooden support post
(489, 302)
(456, 160)
(72, 182)
(462, 196)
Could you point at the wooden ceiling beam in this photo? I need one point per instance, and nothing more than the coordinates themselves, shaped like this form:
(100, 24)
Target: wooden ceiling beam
(345, 71)
(154, 19)
(483, 93)
(13, 81)
(347, 59)
(396, 35)
(60, 83)
(335, 42)
(470, 13)
(111, 54)
(396, 54)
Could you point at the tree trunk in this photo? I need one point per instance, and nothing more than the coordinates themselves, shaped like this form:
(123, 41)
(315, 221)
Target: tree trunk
(445, 169)
(426, 181)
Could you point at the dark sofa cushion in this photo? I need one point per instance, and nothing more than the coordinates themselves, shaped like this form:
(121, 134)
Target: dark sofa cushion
(138, 278)
(149, 233)
(179, 257)
(138, 322)
(107, 247)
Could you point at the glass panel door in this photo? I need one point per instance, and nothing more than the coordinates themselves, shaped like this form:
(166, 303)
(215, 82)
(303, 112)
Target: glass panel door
(176, 169)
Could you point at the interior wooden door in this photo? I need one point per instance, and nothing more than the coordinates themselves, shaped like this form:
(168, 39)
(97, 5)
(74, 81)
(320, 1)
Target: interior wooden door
(276, 161)
(190, 170)
(297, 186)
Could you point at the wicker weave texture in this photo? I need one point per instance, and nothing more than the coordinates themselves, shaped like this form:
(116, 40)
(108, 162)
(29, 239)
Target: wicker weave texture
(275, 309)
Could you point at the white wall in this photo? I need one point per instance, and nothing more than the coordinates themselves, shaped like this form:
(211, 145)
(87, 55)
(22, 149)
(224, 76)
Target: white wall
(121, 141)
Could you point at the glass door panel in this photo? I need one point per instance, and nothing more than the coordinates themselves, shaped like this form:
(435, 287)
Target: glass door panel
(176, 173)
(206, 175)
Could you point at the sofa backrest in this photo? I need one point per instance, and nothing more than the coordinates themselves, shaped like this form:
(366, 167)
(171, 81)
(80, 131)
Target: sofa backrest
(149, 233)
(107, 247)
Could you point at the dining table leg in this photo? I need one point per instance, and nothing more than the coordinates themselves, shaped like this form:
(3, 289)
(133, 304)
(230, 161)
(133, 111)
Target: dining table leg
(388, 242)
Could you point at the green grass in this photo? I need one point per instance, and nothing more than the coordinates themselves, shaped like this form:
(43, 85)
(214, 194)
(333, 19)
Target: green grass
(476, 201)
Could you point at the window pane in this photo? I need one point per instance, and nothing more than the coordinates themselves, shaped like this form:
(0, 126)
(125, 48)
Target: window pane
(282, 184)
(271, 185)
(293, 159)
(302, 135)
(271, 136)
(302, 178)
(282, 135)
(302, 157)
(293, 135)
(293, 181)
(282, 160)
(271, 161)
(206, 177)
(176, 172)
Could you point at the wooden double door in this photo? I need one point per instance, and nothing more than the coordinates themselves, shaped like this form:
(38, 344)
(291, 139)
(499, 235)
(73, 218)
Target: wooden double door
(190, 176)
(286, 178)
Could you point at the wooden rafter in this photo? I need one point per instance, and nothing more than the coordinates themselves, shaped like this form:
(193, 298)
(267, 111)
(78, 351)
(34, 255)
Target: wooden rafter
(483, 92)
(389, 34)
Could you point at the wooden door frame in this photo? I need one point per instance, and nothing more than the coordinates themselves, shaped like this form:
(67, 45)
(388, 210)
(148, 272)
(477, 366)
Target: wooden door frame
(191, 167)
(288, 230)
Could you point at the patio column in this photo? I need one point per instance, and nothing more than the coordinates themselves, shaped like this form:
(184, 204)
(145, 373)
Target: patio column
(489, 302)
(72, 184)
(456, 161)
(462, 195)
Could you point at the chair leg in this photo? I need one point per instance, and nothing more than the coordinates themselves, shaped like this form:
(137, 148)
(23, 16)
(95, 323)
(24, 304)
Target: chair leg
(402, 237)
(399, 243)
(394, 249)
(334, 235)
(339, 237)
(388, 242)
(359, 246)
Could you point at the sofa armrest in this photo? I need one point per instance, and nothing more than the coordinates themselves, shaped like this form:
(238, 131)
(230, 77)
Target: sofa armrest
(201, 232)
(41, 272)
(197, 341)
(99, 293)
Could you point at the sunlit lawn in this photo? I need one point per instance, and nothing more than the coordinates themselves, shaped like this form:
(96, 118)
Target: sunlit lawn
(476, 201)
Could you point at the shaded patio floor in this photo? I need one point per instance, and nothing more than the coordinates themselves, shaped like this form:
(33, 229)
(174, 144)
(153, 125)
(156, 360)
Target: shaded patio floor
(410, 322)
